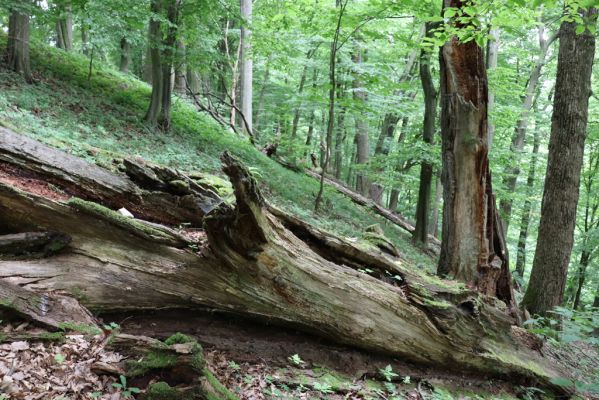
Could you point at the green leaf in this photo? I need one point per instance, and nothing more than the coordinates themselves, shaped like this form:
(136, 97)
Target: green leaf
(580, 29)
(450, 12)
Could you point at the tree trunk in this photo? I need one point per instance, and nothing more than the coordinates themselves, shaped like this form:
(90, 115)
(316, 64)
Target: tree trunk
(527, 209)
(64, 29)
(394, 195)
(155, 64)
(492, 54)
(328, 143)
(340, 132)
(262, 96)
(510, 175)
(180, 68)
(298, 108)
(168, 57)
(18, 43)
(473, 247)
(260, 262)
(421, 230)
(246, 65)
(434, 229)
(125, 55)
(361, 120)
(566, 146)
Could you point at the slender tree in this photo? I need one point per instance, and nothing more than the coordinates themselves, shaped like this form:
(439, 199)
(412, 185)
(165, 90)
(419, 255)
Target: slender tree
(125, 48)
(326, 147)
(566, 147)
(421, 230)
(512, 170)
(246, 65)
(472, 248)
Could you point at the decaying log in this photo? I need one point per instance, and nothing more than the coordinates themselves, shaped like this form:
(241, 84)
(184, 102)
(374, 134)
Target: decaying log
(32, 243)
(262, 263)
(357, 198)
(49, 310)
(77, 177)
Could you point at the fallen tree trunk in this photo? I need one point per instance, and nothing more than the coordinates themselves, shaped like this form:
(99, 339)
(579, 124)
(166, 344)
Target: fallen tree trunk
(155, 193)
(262, 263)
(357, 198)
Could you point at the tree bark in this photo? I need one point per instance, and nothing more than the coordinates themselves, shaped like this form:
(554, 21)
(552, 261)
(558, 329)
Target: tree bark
(180, 67)
(167, 63)
(260, 262)
(361, 121)
(155, 64)
(527, 209)
(421, 231)
(510, 175)
(473, 247)
(492, 55)
(340, 131)
(246, 65)
(18, 42)
(64, 28)
(434, 229)
(262, 96)
(566, 146)
(125, 55)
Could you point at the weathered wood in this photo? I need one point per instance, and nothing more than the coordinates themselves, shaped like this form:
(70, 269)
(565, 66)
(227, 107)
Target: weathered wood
(89, 181)
(261, 263)
(30, 243)
(45, 308)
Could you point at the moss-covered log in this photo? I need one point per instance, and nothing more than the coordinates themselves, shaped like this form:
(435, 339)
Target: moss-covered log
(262, 263)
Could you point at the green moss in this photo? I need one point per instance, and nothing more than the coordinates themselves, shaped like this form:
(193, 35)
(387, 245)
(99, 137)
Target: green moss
(179, 338)
(115, 218)
(218, 387)
(52, 336)
(162, 391)
(154, 360)
(180, 186)
(81, 328)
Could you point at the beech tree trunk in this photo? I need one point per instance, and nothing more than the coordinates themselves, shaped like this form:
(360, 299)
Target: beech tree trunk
(18, 42)
(361, 121)
(247, 68)
(566, 146)
(260, 262)
(473, 247)
(64, 29)
(340, 130)
(512, 171)
(154, 62)
(125, 55)
(527, 209)
(421, 230)
(492, 55)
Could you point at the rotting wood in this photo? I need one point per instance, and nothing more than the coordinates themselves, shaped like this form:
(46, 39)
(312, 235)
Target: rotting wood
(264, 264)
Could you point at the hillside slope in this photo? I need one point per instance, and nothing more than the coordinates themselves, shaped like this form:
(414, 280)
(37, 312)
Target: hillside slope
(100, 119)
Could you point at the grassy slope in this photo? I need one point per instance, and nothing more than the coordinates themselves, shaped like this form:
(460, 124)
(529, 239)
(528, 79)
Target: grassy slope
(100, 120)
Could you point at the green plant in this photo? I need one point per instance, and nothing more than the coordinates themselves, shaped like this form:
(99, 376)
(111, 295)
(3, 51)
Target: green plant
(233, 365)
(126, 392)
(296, 360)
(388, 373)
(113, 326)
(59, 358)
(324, 388)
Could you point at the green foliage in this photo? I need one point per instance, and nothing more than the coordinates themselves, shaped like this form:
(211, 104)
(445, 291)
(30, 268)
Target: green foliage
(126, 392)
(154, 360)
(162, 391)
(566, 325)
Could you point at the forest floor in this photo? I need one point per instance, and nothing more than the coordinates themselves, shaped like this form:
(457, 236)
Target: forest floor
(99, 119)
